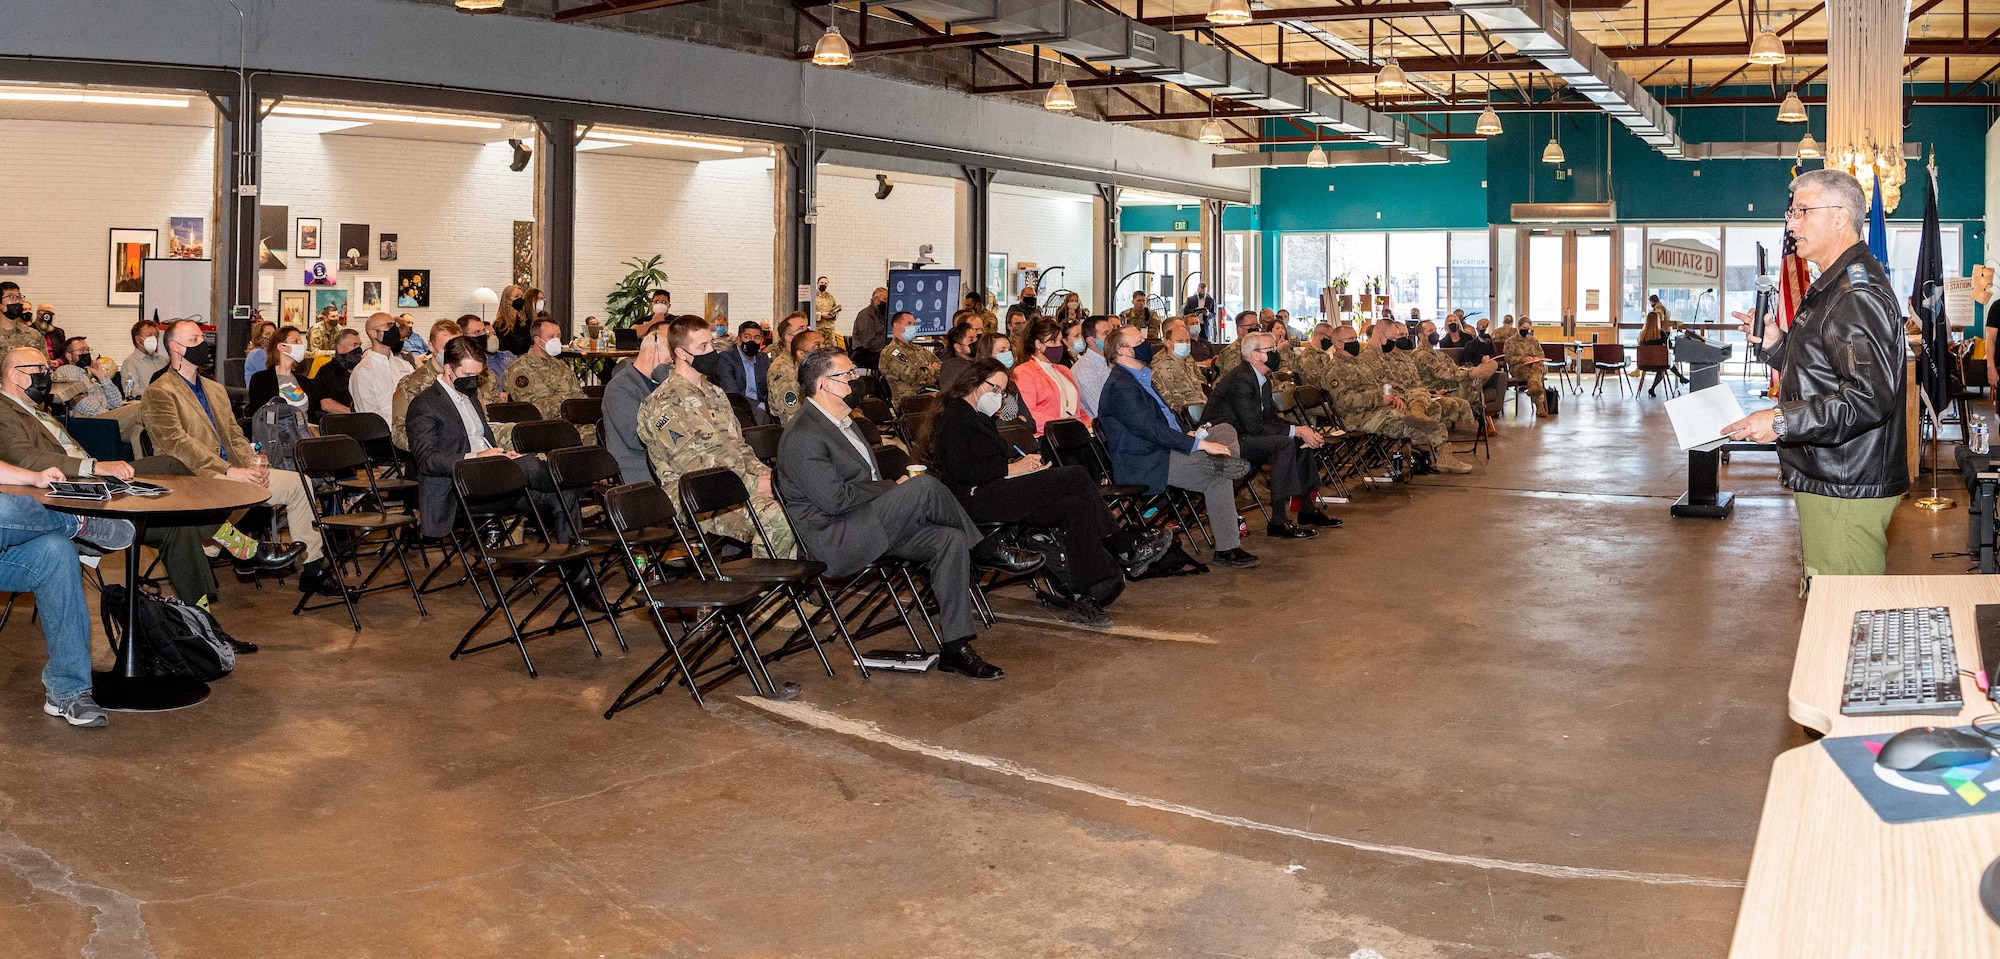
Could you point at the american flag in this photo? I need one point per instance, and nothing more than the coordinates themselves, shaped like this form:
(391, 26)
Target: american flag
(1792, 282)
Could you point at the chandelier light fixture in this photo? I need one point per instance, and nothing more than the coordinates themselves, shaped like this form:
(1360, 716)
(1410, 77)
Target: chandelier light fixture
(1229, 13)
(1489, 123)
(1059, 99)
(1864, 94)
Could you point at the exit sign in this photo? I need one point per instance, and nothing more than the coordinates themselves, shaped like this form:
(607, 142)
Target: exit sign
(1180, 224)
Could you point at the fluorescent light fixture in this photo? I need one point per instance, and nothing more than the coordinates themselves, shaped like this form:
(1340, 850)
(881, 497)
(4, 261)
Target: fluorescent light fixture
(479, 6)
(109, 99)
(371, 116)
(308, 125)
(624, 138)
(1144, 196)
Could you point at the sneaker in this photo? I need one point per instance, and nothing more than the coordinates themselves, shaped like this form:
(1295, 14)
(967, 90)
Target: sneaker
(78, 710)
(97, 535)
(1150, 548)
(1446, 462)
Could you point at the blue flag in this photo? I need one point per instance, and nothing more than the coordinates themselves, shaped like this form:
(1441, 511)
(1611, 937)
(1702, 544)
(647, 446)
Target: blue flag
(1878, 233)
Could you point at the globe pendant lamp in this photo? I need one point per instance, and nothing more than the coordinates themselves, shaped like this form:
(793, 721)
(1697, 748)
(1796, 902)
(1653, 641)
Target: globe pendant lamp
(1792, 110)
(1229, 13)
(832, 49)
(1059, 99)
(1489, 123)
(1808, 147)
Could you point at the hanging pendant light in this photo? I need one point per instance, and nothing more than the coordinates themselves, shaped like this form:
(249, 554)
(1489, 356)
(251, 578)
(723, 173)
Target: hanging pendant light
(1211, 133)
(1059, 99)
(1392, 79)
(1489, 123)
(1317, 158)
(1808, 147)
(1767, 50)
(832, 49)
(1229, 13)
(479, 6)
(1792, 110)
(1553, 153)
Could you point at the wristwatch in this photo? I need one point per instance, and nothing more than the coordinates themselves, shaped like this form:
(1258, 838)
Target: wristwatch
(1778, 423)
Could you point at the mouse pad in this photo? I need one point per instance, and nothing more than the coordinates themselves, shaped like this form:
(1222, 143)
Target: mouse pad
(1917, 795)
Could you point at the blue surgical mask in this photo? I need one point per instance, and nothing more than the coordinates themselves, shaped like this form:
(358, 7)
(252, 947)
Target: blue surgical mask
(1005, 358)
(1181, 350)
(1076, 345)
(909, 333)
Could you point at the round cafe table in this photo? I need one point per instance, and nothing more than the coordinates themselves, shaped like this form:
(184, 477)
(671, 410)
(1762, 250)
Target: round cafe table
(189, 500)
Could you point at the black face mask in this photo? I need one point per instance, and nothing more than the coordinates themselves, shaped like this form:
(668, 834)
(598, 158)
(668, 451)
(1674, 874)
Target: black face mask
(519, 304)
(1273, 359)
(83, 360)
(1353, 347)
(15, 311)
(750, 348)
(348, 360)
(468, 385)
(1028, 301)
(39, 385)
(1433, 339)
(199, 355)
(1324, 342)
(1405, 343)
(392, 337)
(822, 288)
(1143, 353)
(706, 364)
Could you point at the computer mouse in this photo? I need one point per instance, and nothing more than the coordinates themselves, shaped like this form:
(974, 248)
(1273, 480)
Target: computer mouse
(1933, 747)
(1989, 890)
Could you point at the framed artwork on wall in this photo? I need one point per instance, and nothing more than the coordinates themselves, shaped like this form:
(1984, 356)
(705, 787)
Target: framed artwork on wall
(336, 298)
(386, 249)
(317, 274)
(274, 237)
(129, 251)
(413, 288)
(368, 292)
(295, 308)
(308, 246)
(996, 274)
(185, 235)
(524, 253)
(354, 246)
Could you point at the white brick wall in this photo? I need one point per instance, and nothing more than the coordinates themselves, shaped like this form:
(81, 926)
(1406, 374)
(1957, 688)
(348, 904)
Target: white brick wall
(451, 205)
(713, 221)
(1048, 229)
(858, 235)
(68, 184)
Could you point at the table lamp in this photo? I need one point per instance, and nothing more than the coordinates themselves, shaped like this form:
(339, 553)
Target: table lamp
(484, 296)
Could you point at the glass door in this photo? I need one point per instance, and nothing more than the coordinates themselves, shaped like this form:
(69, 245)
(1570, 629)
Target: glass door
(1569, 278)
(1549, 288)
(1591, 289)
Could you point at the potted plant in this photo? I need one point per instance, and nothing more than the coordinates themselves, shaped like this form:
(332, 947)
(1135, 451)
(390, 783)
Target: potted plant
(632, 301)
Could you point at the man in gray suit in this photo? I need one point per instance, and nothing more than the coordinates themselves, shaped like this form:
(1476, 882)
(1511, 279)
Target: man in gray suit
(848, 515)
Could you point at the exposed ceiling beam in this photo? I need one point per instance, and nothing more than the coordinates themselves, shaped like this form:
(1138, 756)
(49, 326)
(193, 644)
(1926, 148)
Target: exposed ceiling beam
(1349, 68)
(1951, 47)
(612, 8)
(1323, 14)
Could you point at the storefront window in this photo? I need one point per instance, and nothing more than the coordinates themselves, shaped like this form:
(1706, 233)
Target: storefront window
(1506, 272)
(1303, 258)
(1418, 277)
(1239, 266)
(1357, 257)
(1689, 305)
(1471, 274)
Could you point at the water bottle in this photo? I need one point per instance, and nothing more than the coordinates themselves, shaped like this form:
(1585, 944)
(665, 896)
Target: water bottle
(1980, 441)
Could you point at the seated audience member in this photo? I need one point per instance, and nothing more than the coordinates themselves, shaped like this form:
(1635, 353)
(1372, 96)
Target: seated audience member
(288, 356)
(372, 383)
(1525, 360)
(1200, 347)
(848, 515)
(784, 370)
(661, 314)
(909, 369)
(1455, 336)
(147, 359)
(1048, 388)
(325, 334)
(1090, 368)
(1654, 333)
(539, 376)
(958, 348)
(962, 444)
(743, 366)
(631, 382)
(1226, 357)
(1354, 379)
(1242, 399)
(187, 415)
(1017, 322)
(1443, 372)
(33, 440)
(1175, 376)
(785, 398)
(263, 334)
(1013, 409)
(89, 384)
(447, 423)
(332, 389)
(1148, 448)
(687, 425)
(37, 555)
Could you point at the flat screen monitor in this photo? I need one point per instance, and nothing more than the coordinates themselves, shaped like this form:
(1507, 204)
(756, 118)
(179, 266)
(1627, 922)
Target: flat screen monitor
(929, 295)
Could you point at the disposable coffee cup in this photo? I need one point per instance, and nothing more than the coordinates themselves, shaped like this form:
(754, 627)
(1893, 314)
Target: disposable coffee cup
(916, 470)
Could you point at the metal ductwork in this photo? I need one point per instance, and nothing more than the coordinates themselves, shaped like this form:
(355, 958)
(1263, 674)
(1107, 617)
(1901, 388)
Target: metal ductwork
(1541, 30)
(1093, 33)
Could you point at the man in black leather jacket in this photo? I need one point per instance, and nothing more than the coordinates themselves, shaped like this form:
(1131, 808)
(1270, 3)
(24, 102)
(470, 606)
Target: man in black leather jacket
(1839, 421)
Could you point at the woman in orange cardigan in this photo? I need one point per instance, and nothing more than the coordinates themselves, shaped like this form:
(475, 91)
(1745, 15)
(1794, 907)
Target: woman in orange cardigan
(1046, 386)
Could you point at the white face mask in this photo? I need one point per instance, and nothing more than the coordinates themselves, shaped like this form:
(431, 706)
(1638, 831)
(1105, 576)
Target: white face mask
(297, 351)
(989, 404)
(151, 344)
(1181, 350)
(659, 309)
(553, 347)
(538, 306)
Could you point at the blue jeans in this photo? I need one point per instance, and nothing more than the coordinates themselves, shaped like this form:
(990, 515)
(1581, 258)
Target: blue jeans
(22, 519)
(47, 566)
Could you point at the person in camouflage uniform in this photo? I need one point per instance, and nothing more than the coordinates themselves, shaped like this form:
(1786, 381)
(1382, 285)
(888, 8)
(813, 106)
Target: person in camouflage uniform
(784, 380)
(1354, 381)
(686, 425)
(17, 322)
(1399, 356)
(1226, 359)
(826, 308)
(1141, 316)
(784, 373)
(326, 332)
(1442, 374)
(426, 373)
(539, 377)
(909, 369)
(1176, 377)
(1525, 359)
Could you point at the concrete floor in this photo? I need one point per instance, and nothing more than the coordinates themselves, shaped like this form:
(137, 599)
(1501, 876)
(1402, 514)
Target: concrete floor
(1516, 713)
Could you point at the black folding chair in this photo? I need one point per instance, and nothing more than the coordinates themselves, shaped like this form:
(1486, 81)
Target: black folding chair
(385, 466)
(493, 493)
(871, 589)
(343, 532)
(512, 413)
(641, 516)
(541, 436)
(763, 441)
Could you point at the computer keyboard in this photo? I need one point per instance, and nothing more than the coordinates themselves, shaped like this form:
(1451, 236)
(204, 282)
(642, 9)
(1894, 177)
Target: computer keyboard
(1902, 662)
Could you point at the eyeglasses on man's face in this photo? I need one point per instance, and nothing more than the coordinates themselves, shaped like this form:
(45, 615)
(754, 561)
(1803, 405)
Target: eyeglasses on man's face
(1798, 213)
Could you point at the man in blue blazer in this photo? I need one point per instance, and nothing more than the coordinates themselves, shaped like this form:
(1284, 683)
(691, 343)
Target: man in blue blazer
(745, 369)
(1148, 446)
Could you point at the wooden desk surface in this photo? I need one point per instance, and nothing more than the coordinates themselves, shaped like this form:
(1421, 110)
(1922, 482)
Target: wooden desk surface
(1829, 879)
(1820, 671)
(187, 496)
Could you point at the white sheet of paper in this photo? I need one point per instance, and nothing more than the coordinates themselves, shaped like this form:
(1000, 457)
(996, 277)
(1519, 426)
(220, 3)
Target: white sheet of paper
(1699, 417)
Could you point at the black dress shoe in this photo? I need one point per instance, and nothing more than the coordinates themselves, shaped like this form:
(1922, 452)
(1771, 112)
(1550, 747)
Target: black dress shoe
(314, 580)
(1289, 531)
(1319, 519)
(1237, 557)
(271, 557)
(990, 554)
(242, 648)
(959, 658)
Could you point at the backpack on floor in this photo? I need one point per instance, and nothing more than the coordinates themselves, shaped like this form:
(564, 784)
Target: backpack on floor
(1175, 562)
(1061, 575)
(180, 640)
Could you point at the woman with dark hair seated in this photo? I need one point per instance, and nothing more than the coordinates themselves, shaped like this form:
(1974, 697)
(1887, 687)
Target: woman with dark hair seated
(997, 483)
